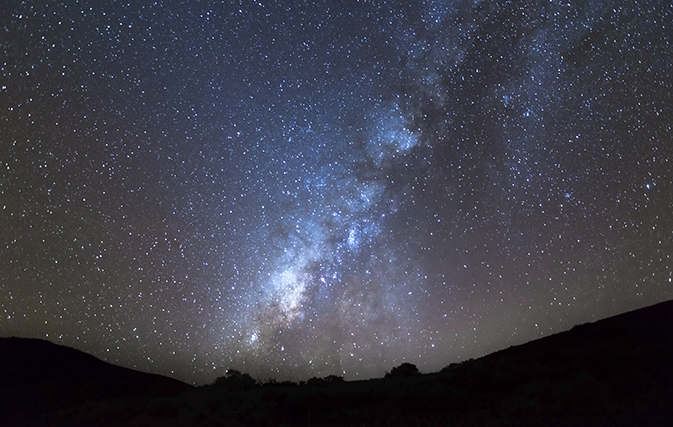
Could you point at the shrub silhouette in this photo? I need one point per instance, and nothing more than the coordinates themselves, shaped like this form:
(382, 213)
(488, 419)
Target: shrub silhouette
(316, 382)
(404, 370)
(234, 379)
(272, 382)
(334, 379)
(326, 381)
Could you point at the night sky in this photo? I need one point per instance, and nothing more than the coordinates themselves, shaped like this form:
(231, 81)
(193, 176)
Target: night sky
(297, 190)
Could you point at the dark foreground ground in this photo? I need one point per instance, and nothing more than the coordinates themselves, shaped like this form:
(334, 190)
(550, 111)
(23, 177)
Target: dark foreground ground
(615, 372)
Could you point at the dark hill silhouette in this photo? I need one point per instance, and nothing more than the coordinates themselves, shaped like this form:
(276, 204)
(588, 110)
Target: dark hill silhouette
(41, 382)
(637, 329)
(614, 372)
(32, 361)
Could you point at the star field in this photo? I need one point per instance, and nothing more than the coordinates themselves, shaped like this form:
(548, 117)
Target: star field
(333, 188)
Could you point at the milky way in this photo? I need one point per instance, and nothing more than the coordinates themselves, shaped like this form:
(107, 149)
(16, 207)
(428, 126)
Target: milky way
(331, 188)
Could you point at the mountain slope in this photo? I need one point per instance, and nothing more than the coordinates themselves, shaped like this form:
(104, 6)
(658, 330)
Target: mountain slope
(613, 372)
(43, 383)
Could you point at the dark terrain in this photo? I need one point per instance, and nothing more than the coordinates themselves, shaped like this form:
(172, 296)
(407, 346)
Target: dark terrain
(614, 372)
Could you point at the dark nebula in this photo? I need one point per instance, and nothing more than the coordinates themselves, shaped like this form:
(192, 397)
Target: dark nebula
(332, 187)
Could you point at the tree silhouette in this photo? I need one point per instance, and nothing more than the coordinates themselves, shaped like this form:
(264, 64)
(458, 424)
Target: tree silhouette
(404, 370)
(334, 379)
(234, 379)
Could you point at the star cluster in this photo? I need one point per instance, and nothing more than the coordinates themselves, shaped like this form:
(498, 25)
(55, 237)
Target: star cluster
(298, 190)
